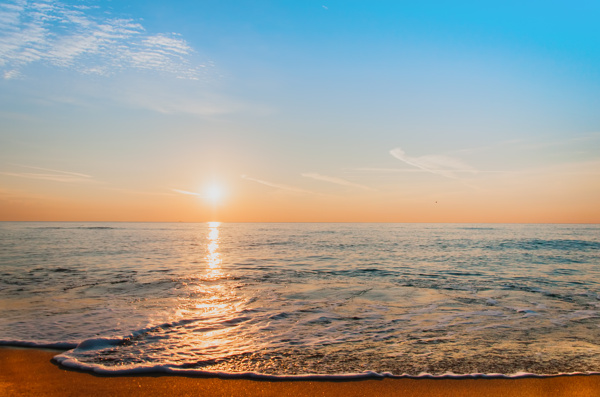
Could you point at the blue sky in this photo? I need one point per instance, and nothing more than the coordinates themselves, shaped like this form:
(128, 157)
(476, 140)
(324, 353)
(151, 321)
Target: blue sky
(300, 110)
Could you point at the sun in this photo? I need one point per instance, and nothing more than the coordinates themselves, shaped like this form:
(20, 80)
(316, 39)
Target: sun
(214, 193)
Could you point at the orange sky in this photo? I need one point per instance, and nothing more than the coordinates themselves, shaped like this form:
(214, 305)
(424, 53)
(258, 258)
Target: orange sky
(551, 200)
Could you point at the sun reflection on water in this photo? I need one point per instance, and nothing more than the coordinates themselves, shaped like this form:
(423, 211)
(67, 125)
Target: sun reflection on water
(213, 258)
(216, 311)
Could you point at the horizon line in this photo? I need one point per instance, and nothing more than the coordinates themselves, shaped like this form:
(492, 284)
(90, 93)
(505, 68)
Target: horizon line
(347, 222)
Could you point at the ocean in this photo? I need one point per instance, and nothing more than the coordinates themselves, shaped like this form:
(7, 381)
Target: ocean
(305, 299)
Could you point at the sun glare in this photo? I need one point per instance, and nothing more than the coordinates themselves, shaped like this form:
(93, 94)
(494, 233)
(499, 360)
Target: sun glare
(214, 194)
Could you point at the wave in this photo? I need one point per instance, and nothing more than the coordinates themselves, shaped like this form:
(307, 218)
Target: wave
(543, 244)
(72, 363)
(68, 359)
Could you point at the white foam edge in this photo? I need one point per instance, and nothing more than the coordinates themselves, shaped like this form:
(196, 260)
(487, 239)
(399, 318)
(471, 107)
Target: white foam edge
(73, 363)
(88, 344)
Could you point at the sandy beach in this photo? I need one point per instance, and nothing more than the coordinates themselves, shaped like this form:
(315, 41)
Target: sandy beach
(31, 372)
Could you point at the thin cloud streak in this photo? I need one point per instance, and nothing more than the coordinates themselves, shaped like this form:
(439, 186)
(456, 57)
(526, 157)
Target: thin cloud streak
(412, 170)
(390, 170)
(334, 180)
(435, 164)
(276, 185)
(187, 192)
(47, 177)
(171, 103)
(53, 170)
(55, 176)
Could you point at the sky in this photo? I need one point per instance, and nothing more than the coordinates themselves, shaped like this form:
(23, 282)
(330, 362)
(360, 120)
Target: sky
(300, 111)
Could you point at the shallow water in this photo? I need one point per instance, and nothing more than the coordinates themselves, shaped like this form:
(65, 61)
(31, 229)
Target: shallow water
(289, 299)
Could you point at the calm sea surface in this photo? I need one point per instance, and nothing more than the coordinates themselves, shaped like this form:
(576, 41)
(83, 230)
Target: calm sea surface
(293, 299)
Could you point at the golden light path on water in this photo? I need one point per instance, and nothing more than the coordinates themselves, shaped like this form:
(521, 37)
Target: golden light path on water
(214, 307)
(213, 259)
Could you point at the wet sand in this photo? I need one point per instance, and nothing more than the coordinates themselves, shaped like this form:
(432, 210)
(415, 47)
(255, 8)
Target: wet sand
(30, 372)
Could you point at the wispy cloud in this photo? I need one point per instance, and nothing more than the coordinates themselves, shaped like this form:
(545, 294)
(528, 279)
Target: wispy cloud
(413, 170)
(387, 170)
(53, 170)
(334, 180)
(187, 192)
(47, 177)
(181, 102)
(80, 38)
(277, 186)
(436, 164)
(51, 175)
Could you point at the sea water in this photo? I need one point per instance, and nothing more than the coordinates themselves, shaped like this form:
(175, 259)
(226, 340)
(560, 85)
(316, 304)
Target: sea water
(294, 299)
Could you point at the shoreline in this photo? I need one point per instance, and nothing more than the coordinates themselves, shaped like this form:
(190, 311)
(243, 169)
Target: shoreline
(26, 371)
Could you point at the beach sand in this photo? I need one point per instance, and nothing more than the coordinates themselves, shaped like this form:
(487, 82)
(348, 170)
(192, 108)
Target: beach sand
(30, 372)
